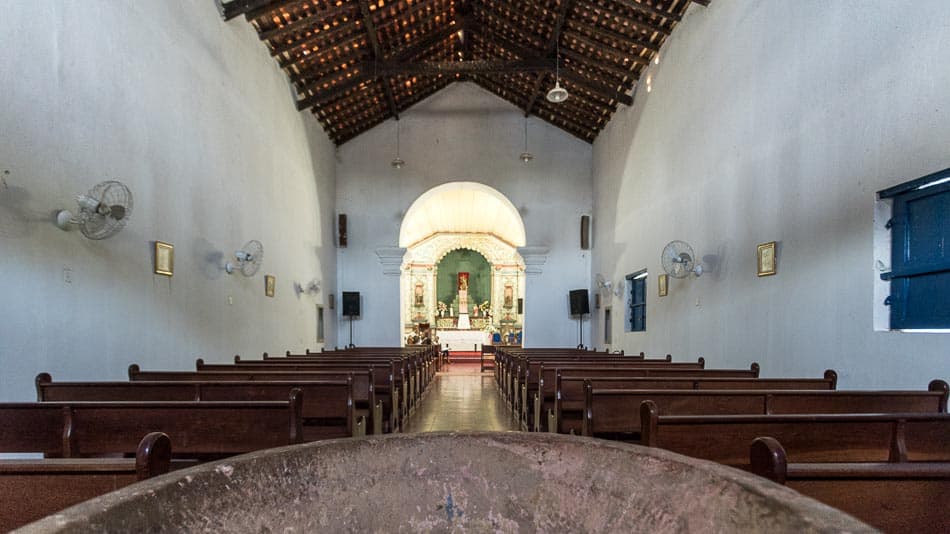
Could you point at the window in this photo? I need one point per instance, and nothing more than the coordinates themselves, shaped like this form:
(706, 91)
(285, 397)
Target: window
(637, 290)
(920, 253)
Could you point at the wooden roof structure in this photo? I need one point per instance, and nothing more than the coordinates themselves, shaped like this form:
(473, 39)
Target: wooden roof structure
(357, 63)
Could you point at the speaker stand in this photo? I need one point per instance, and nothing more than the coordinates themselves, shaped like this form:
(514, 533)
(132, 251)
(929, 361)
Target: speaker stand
(580, 332)
(351, 345)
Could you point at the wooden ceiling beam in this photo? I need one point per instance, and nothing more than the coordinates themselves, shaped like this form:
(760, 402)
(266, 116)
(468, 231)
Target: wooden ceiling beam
(251, 9)
(649, 10)
(314, 19)
(377, 55)
(500, 88)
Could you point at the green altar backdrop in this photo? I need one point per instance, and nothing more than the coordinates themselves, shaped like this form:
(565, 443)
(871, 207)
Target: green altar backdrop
(479, 281)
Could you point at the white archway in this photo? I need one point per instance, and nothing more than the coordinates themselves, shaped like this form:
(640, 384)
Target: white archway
(462, 208)
(461, 215)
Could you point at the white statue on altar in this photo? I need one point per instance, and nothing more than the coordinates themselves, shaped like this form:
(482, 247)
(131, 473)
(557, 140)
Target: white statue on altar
(464, 323)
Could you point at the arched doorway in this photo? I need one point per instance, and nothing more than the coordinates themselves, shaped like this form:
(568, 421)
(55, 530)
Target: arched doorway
(462, 275)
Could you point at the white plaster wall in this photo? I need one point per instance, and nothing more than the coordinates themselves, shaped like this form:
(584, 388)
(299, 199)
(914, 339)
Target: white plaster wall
(464, 133)
(195, 117)
(777, 120)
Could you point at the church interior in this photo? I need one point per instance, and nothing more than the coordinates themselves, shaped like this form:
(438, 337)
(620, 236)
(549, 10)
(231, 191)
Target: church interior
(548, 265)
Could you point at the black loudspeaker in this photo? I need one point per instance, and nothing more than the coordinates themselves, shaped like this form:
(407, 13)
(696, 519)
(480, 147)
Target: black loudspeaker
(580, 302)
(351, 303)
(520, 306)
(341, 228)
(585, 232)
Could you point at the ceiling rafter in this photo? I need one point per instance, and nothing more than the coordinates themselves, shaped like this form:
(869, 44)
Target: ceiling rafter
(377, 55)
(356, 63)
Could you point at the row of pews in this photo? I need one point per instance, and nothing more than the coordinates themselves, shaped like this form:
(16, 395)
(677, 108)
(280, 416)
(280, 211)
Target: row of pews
(882, 456)
(89, 438)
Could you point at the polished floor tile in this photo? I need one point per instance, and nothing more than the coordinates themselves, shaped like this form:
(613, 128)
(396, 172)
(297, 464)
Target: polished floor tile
(462, 398)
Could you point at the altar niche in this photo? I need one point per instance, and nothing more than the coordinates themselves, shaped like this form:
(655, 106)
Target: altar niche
(448, 274)
(463, 290)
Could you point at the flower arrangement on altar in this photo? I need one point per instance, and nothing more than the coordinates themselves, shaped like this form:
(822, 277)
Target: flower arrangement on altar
(442, 308)
(485, 308)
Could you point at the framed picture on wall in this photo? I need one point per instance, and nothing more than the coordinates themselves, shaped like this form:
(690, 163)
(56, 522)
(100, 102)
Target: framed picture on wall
(331, 301)
(765, 254)
(164, 258)
(662, 282)
(269, 285)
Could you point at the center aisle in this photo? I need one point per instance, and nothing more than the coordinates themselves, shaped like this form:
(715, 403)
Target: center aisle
(462, 398)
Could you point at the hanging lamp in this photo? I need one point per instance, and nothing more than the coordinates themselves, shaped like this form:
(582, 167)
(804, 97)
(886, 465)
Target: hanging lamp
(397, 162)
(526, 156)
(557, 94)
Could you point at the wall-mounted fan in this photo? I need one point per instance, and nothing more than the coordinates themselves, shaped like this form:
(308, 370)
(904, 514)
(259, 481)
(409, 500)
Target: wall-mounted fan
(103, 211)
(606, 287)
(679, 260)
(249, 259)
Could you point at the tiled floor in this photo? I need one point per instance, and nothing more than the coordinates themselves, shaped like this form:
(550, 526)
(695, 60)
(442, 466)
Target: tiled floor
(463, 398)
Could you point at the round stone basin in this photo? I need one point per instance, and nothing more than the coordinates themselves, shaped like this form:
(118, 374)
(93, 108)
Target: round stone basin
(455, 482)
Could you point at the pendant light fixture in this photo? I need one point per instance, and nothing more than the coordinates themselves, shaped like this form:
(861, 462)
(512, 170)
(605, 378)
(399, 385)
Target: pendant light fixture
(397, 162)
(526, 156)
(558, 94)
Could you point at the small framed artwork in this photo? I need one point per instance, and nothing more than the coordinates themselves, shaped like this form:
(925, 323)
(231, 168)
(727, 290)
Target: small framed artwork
(269, 284)
(164, 258)
(662, 282)
(765, 254)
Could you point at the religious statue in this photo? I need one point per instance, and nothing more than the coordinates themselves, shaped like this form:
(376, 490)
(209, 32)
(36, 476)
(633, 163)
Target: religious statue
(419, 295)
(463, 293)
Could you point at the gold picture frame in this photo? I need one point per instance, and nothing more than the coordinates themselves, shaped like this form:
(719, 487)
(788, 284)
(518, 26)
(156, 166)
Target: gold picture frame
(164, 259)
(663, 284)
(270, 283)
(765, 259)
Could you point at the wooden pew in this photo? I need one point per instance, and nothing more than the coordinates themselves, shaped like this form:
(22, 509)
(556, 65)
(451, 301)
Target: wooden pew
(199, 429)
(392, 377)
(807, 437)
(547, 385)
(364, 385)
(567, 415)
(33, 489)
(618, 411)
(894, 496)
(532, 373)
(327, 408)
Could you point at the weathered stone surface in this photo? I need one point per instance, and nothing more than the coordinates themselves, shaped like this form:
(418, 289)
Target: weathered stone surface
(452, 482)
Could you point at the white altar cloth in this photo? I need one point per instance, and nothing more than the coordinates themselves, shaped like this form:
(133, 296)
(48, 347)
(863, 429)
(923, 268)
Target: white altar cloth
(459, 340)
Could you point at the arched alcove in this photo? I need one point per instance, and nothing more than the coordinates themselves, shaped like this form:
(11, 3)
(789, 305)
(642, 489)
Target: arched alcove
(454, 217)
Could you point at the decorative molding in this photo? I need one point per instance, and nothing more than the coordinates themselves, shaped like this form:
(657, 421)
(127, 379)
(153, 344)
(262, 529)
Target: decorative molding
(535, 256)
(391, 259)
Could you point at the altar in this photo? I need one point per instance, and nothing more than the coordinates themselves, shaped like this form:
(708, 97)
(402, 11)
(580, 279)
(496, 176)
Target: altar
(463, 340)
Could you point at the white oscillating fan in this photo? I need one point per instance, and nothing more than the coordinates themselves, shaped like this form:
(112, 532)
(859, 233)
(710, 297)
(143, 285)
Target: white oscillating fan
(103, 211)
(249, 259)
(679, 260)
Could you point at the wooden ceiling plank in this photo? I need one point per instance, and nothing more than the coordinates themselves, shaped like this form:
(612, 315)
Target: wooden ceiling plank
(314, 19)
(643, 25)
(377, 55)
(649, 10)
(318, 39)
(390, 68)
(610, 35)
